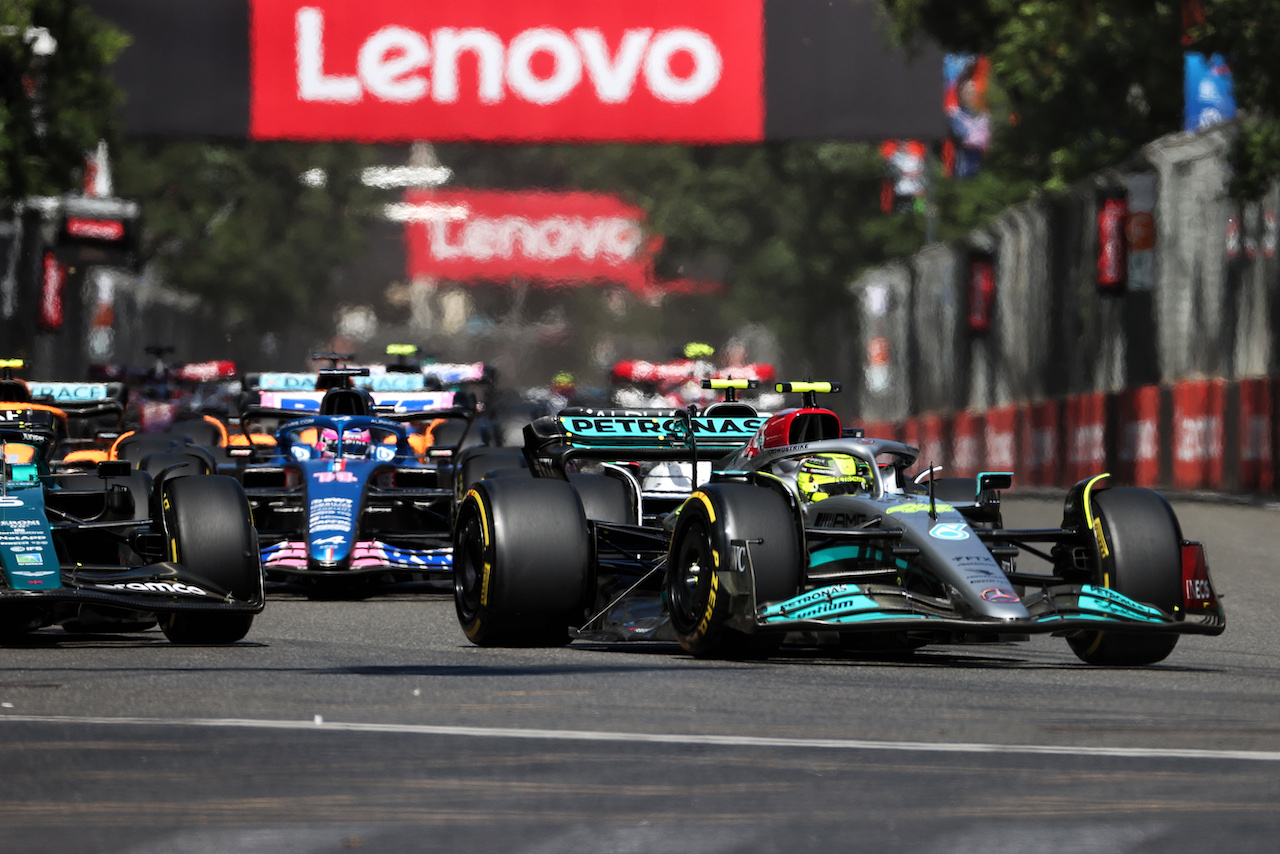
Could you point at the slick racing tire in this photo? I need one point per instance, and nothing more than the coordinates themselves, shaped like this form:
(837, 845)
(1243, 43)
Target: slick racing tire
(520, 562)
(210, 533)
(604, 498)
(1144, 563)
(183, 464)
(476, 463)
(700, 558)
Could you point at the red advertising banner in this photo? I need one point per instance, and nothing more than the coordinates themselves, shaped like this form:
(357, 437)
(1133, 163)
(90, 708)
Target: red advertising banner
(1001, 439)
(53, 282)
(1086, 436)
(533, 71)
(1040, 451)
(466, 235)
(1198, 410)
(933, 446)
(1138, 462)
(879, 429)
(966, 445)
(909, 434)
(1256, 470)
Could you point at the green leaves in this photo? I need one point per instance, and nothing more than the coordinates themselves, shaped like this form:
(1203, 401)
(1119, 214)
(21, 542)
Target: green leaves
(1082, 85)
(237, 225)
(1091, 82)
(54, 107)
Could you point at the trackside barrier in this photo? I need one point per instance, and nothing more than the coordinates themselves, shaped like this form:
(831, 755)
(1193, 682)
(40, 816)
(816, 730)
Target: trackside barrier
(966, 444)
(1086, 436)
(879, 429)
(1199, 408)
(1040, 441)
(1001, 435)
(909, 430)
(1255, 434)
(1199, 434)
(933, 445)
(1139, 436)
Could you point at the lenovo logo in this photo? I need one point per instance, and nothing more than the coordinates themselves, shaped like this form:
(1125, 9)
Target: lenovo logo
(541, 65)
(535, 70)
(467, 235)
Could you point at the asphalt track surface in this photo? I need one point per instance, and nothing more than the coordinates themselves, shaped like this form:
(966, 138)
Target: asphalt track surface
(373, 725)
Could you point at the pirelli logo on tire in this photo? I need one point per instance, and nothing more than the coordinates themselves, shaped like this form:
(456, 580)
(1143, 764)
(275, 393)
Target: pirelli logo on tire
(1103, 551)
(709, 612)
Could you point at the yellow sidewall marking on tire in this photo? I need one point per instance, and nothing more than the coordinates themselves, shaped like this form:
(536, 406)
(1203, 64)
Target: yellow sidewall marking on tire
(1095, 524)
(711, 605)
(711, 511)
(1103, 551)
(711, 517)
(473, 495)
(1090, 520)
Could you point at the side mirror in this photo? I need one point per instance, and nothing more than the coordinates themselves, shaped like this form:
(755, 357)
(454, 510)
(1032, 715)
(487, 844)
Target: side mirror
(994, 480)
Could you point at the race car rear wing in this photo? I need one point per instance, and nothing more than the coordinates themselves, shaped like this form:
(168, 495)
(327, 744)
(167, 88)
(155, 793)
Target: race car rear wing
(256, 420)
(607, 435)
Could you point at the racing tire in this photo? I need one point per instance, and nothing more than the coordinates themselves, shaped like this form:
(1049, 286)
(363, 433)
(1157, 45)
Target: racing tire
(211, 534)
(604, 498)
(1144, 563)
(477, 462)
(710, 520)
(187, 464)
(509, 472)
(520, 562)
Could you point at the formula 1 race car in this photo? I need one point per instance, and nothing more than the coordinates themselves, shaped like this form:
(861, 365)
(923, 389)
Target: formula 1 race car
(344, 503)
(813, 531)
(115, 551)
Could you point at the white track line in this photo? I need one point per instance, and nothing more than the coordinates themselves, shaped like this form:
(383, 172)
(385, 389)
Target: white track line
(684, 739)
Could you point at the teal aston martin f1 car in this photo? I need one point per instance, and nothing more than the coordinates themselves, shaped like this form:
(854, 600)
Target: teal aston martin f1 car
(116, 551)
(801, 529)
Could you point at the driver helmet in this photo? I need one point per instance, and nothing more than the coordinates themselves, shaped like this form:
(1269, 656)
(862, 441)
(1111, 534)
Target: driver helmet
(356, 443)
(327, 444)
(824, 475)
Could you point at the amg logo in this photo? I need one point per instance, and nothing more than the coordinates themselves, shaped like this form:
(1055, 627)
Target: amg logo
(835, 520)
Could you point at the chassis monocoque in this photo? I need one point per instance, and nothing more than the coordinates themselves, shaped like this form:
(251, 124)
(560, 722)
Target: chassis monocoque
(115, 550)
(745, 562)
(360, 513)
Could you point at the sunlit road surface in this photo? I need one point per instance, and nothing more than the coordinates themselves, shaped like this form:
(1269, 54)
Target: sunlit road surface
(374, 725)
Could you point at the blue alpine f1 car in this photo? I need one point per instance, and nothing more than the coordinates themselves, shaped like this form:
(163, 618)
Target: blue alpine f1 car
(347, 501)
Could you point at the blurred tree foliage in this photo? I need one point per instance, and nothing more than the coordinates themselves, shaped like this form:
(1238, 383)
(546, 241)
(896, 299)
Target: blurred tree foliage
(53, 107)
(1247, 32)
(1077, 86)
(257, 230)
(783, 226)
(1081, 85)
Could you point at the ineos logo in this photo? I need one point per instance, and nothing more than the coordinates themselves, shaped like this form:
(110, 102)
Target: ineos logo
(389, 63)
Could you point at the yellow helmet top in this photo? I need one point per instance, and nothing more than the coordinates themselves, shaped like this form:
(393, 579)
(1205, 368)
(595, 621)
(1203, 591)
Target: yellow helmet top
(824, 475)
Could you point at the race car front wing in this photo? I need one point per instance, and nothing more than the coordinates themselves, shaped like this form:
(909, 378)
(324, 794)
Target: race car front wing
(158, 588)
